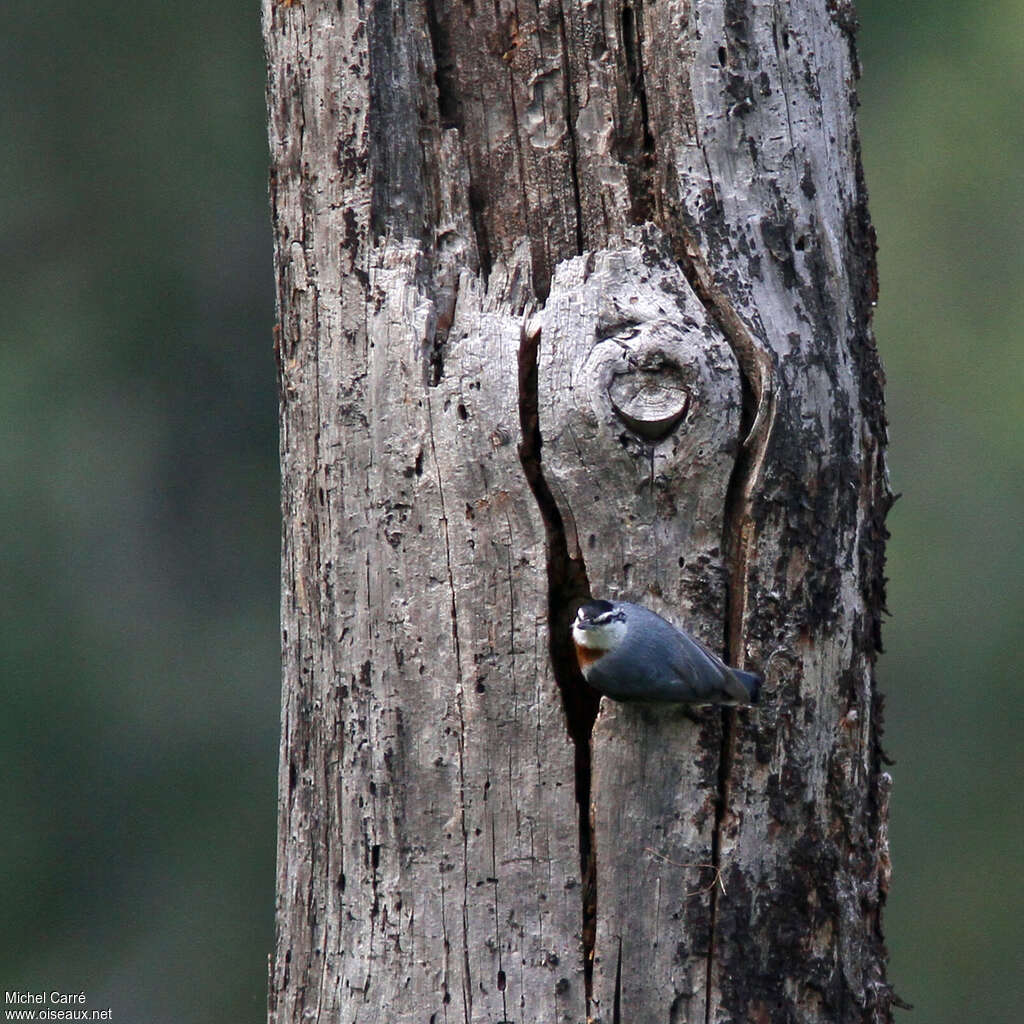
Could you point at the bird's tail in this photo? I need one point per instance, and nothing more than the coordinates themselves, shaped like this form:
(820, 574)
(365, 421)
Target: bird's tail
(751, 683)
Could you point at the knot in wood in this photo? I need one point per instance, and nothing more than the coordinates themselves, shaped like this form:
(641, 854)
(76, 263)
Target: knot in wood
(650, 375)
(630, 363)
(651, 395)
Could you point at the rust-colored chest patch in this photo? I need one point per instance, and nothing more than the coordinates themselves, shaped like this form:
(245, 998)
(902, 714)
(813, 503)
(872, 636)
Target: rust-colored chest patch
(586, 656)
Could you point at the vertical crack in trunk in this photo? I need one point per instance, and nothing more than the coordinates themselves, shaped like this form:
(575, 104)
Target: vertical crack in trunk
(757, 415)
(567, 587)
(450, 115)
(617, 1001)
(467, 987)
(445, 73)
(637, 145)
(571, 107)
(497, 922)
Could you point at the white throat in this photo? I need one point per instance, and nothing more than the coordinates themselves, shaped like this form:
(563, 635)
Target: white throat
(600, 638)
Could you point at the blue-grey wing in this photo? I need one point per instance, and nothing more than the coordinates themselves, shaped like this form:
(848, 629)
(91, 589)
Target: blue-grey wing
(698, 669)
(687, 670)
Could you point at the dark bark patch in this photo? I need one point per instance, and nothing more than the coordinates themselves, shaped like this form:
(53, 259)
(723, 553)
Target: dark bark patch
(634, 139)
(396, 117)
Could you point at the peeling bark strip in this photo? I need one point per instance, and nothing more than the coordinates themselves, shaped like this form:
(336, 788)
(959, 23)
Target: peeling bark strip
(574, 298)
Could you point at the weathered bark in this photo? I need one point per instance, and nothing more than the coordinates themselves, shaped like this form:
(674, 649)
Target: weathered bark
(574, 299)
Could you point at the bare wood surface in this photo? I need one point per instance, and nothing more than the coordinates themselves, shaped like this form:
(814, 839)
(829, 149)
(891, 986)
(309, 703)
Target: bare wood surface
(573, 300)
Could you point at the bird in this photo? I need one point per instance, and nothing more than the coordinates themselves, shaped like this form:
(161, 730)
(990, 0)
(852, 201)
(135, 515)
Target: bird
(629, 653)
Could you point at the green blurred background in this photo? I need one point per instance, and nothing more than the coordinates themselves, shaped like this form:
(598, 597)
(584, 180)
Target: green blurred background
(138, 742)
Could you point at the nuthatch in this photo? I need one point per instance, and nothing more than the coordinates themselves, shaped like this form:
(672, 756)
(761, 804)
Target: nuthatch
(629, 653)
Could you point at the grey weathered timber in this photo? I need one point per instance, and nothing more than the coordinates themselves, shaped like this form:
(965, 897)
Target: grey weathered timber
(574, 299)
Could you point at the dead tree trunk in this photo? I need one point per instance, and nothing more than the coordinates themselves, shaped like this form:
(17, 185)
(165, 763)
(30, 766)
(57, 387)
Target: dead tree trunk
(574, 299)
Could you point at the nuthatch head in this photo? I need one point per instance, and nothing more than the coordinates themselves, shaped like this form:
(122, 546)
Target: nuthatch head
(627, 652)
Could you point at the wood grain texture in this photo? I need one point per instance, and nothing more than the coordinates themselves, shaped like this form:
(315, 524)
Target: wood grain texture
(574, 299)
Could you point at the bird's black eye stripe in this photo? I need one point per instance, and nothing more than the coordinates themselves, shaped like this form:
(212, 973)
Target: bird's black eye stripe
(599, 613)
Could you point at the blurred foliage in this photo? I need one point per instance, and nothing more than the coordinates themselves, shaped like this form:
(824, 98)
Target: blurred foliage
(139, 640)
(943, 149)
(139, 644)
